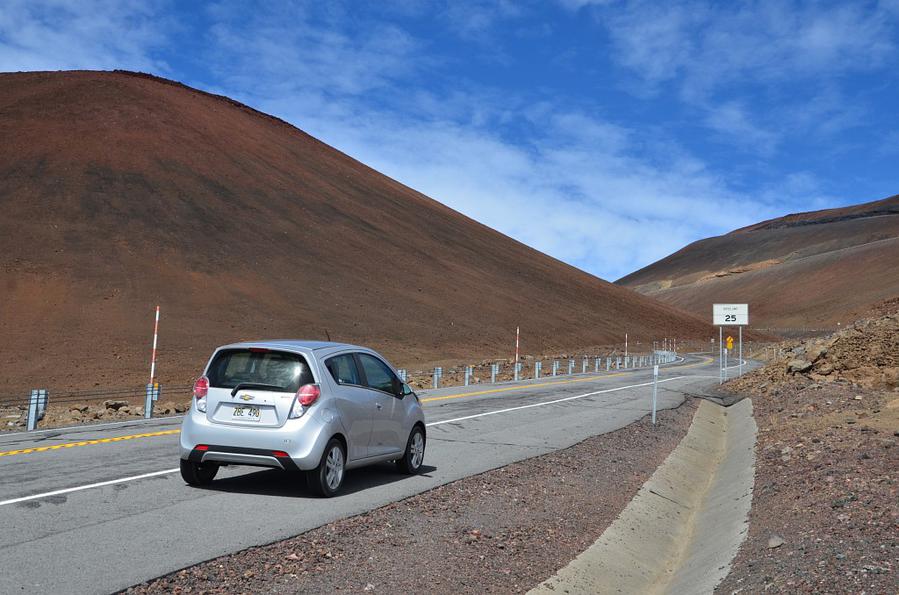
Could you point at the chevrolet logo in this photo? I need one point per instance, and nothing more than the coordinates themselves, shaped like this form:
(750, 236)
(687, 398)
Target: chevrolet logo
(246, 397)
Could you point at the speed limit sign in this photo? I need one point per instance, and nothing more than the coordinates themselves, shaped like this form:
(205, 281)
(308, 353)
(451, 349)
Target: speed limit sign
(730, 314)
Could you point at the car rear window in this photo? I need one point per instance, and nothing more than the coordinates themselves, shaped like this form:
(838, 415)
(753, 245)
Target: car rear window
(288, 371)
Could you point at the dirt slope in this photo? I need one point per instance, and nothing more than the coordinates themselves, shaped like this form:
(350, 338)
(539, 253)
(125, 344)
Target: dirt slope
(802, 271)
(123, 191)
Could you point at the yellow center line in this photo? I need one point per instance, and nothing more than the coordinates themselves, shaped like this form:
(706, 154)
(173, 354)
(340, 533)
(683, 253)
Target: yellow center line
(25, 451)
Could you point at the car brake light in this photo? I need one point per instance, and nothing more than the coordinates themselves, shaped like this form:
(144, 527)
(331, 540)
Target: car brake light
(201, 387)
(280, 454)
(308, 394)
(201, 447)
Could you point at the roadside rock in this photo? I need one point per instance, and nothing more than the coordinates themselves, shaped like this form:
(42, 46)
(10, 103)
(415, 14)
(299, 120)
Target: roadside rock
(824, 369)
(775, 541)
(890, 377)
(115, 405)
(798, 365)
(816, 352)
(865, 353)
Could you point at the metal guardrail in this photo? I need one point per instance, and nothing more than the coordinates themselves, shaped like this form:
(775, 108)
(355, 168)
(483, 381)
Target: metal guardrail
(469, 374)
(35, 404)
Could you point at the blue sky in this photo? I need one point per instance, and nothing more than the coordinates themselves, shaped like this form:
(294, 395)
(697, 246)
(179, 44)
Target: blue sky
(607, 134)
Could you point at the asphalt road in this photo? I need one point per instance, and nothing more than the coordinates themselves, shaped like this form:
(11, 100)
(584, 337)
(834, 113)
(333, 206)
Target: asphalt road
(144, 521)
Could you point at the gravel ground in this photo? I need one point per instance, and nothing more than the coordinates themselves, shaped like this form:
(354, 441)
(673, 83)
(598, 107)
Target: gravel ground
(825, 510)
(503, 531)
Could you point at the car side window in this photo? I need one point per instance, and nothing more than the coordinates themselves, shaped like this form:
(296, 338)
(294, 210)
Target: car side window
(343, 369)
(377, 375)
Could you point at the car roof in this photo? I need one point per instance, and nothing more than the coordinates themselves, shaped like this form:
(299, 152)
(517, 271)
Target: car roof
(294, 345)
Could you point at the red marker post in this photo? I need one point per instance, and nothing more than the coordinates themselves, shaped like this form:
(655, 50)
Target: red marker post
(153, 358)
(515, 365)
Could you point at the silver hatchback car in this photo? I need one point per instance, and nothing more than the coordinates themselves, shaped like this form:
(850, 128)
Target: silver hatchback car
(320, 408)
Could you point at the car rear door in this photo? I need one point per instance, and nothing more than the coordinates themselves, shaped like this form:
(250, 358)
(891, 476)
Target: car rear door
(387, 431)
(354, 401)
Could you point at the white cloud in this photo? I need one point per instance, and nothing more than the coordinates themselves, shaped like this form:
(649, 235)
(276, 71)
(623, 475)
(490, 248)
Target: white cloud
(583, 197)
(732, 118)
(89, 34)
(710, 46)
(735, 63)
(576, 5)
(474, 19)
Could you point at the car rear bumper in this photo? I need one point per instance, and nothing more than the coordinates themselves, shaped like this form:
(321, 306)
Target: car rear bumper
(303, 440)
(236, 455)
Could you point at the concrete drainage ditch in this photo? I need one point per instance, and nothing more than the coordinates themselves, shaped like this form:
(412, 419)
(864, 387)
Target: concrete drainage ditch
(682, 530)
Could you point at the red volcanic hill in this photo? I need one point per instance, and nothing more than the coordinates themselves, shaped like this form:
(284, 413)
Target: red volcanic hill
(122, 191)
(803, 271)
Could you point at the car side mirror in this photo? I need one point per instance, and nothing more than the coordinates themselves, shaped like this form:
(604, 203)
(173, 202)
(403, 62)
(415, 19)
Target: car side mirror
(400, 388)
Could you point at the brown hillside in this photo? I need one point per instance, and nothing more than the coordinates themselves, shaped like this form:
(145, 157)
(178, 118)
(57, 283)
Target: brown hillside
(802, 271)
(121, 191)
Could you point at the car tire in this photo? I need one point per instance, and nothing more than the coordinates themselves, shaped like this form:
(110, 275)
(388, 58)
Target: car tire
(198, 474)
(327, 479)
(415, 452)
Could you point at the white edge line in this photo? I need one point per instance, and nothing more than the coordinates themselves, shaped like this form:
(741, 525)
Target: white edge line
(585, 395)
(87, 487)
(436, 423)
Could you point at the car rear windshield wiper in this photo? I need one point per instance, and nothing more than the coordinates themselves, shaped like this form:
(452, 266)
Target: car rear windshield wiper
(256, 385)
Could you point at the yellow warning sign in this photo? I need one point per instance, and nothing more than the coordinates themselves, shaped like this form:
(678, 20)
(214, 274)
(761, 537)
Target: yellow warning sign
(730, 343)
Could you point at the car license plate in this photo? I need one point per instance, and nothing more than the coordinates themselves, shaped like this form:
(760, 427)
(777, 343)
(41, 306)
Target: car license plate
(245, 413)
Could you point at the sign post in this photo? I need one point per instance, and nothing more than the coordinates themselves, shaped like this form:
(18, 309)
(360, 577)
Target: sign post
(721, 352)
(728, 347)
(729, 315)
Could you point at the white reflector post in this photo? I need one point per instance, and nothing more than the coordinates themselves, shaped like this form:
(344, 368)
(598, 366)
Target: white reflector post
(655, 391)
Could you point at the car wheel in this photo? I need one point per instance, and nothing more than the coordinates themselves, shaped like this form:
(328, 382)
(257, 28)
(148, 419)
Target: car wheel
(198, 474)
(415, 452)
(326, 479)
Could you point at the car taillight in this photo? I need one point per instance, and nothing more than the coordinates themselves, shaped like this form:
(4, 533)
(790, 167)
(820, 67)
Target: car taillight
(306, 396)
(202, 447)
(201, 387)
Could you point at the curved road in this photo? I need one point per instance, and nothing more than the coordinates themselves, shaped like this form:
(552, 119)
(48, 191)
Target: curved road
(63, 533)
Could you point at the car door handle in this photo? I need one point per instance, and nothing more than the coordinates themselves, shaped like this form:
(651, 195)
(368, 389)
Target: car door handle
(378, 405)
